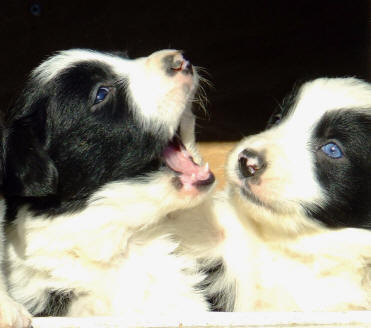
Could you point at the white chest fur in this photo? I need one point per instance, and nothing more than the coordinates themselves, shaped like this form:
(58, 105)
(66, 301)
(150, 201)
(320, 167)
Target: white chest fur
(109, 269)
(327, 271)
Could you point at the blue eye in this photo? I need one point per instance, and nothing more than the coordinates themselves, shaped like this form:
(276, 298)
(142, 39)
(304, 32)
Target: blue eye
(332, 150)
(101, 94)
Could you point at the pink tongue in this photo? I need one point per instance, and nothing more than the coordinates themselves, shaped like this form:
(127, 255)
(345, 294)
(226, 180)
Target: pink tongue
(180, 160)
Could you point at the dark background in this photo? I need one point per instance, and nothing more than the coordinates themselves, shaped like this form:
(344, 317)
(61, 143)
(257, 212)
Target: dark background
(254, 51)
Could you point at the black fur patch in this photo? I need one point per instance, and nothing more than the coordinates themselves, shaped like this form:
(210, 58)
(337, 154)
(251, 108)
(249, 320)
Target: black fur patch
(57, 305)
(221, 300)
(61, 147)
(347, 180)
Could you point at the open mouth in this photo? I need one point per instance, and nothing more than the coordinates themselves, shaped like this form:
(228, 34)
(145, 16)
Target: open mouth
(180, 161)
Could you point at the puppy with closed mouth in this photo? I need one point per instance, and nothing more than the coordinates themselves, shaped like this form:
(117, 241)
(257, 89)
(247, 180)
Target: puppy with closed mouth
(98, 149)
(292, 230)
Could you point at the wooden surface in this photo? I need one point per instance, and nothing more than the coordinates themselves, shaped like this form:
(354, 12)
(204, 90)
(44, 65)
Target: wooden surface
(220, 320)
(215, 153)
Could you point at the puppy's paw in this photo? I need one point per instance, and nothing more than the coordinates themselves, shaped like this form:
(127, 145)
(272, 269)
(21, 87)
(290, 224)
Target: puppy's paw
(13, 314)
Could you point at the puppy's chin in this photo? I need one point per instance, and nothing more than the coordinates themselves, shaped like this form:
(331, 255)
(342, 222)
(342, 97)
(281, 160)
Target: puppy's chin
(272, 219)
(262, 193)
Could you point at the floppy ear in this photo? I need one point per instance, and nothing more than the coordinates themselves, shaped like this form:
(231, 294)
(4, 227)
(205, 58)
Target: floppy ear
(28, 169)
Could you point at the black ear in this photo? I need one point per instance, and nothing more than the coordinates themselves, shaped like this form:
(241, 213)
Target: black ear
(28, 170)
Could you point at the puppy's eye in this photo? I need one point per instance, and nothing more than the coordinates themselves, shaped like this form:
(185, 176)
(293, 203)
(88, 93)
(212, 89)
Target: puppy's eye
(101, 94)
(276, 118)
(332, 150)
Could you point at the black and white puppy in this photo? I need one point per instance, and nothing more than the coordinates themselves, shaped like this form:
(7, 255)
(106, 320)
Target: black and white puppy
(95, 158)
(294, 223)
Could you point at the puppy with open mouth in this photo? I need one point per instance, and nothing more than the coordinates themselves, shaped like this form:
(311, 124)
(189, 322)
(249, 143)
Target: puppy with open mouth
(292, 230)
(98, 149)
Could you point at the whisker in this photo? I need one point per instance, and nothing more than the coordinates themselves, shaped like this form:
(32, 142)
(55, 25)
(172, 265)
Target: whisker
(201, 98)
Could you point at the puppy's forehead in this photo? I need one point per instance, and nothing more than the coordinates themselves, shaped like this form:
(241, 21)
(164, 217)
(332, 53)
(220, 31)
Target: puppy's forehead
(63, 60)
(320, 96)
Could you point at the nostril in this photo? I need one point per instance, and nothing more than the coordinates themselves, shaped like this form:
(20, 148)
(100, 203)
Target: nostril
(187, 67)
(250, 163)
(182, 65)
(246, 169)
(175, 63)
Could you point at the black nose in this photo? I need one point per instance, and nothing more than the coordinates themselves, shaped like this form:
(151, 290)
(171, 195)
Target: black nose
(251, 163)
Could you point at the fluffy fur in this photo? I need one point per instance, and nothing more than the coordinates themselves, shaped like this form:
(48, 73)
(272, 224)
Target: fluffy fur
(94, 161)
(291, 232)
(12, 314)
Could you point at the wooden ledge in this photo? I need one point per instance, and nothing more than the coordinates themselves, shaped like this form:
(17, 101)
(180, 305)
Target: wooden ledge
(220, 320)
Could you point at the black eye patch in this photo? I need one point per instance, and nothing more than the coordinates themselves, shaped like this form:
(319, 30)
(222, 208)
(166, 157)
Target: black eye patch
(349, 126)
(79, 80)
(343, 174)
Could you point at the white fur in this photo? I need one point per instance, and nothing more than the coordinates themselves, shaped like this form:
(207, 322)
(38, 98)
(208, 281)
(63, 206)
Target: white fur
(12, 314)
(118, 256)
(171, 100)
(113, 270)
(275, 257)
(289, 177)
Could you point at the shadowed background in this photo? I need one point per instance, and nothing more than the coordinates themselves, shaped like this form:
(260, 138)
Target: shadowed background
(253, 51)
